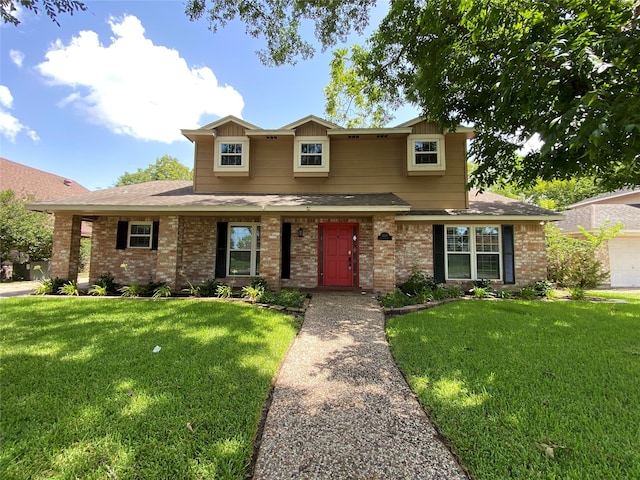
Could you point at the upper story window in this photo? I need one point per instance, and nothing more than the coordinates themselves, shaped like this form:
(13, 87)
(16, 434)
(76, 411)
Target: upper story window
(425, 153)
(140, 234)
(231, 156)
(311, 156)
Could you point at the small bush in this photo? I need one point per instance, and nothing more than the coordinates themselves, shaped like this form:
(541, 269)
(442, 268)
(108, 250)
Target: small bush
(397, 298)
(454, 291)
(504, 294)
(162, 291)
(482, 283)
(417, 283)
(107, 281)
(130, 291)
(543, 288)
(482, 292)
(98, 290)
(252, 293)
(209, 288)
(527, 293)
(70, 288)
(259, 282)
(440, 292)
(44, 287)
(224, 291)
(287, 297)
(149, 289)
(577, 293)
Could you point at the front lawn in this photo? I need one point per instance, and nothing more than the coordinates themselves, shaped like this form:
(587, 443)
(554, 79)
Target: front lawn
(83, 395)
(529, 389)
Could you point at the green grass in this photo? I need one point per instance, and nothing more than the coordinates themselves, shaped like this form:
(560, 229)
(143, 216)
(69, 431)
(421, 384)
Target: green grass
(84, 396)
(513, 383)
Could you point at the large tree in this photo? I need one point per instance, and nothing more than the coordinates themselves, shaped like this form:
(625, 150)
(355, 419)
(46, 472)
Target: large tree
(563, 72)
(9, 8)
(164, 168)
(23, 233)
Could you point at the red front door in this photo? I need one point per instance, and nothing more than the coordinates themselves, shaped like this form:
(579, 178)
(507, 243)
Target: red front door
(338, 255)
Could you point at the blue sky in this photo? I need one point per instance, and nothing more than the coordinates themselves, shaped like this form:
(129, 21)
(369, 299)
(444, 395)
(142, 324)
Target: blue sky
(108, 91)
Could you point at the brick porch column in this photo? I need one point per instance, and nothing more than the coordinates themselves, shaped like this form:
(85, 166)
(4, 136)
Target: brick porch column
(271, 250)
(169, 250)
(65, 256)
(384, 254)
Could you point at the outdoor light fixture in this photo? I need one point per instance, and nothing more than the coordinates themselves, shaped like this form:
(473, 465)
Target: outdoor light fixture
(300, 232)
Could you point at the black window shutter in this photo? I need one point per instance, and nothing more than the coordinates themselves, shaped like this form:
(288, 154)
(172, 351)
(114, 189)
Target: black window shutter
(154, 235)
(286, 251)
(508, 258)
(221, 250)
(121, 236)
(438, 253)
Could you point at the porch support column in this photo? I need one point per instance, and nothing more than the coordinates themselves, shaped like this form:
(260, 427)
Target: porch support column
(270, 250)
(384, 253)
(169, 250)
(65, 255)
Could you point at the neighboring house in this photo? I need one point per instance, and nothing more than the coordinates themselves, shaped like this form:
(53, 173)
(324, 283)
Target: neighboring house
(36, 185)
(308, 205)
(620, 256)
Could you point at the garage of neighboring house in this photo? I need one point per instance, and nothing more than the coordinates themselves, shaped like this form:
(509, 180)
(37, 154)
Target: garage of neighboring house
(624, 261)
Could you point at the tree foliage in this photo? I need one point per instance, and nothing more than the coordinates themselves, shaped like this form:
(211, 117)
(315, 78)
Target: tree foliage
(351, 100)
(553, 194)
(165, 168)
(573, 262)
(9, 8)
(563, 71)
(279, 22)
(24, 234)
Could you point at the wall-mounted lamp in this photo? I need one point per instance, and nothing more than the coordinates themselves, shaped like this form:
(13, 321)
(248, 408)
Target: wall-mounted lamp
(300, 232)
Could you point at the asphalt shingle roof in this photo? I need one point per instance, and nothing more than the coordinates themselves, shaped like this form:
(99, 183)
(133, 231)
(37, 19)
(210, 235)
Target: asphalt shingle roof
(29, 181)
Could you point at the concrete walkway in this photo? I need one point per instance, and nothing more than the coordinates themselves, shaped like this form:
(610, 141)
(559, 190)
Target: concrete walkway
(341, 408)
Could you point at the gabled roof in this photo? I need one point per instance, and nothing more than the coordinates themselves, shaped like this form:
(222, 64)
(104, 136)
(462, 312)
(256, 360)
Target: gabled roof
(618, 195)
(459, 129)
(487, 204)
(227, 119)
(311, 118)
(592, 217)
(30, 181)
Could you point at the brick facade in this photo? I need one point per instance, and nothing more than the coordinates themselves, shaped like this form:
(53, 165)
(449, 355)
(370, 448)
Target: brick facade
(65, 258)
(187, 250)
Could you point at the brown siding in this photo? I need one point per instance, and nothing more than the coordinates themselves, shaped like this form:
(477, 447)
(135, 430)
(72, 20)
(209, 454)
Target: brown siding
(311, 129)
(363, 165)
(425, 128)
(230, 130)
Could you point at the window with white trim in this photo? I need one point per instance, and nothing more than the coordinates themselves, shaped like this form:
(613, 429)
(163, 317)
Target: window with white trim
(311, 155)
(140, 234)
(244, 249)
(232, 155)
(473, 253)
(425, 153)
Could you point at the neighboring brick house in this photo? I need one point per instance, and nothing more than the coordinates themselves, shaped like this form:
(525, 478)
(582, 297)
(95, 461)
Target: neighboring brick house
(308, 205)
(620, 256)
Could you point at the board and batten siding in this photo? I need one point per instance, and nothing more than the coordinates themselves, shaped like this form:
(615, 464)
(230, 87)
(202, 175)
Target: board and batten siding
(366, 164)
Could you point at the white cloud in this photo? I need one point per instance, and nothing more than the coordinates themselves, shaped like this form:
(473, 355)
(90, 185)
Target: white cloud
(10, 126)
(134, 87)
(17, 57)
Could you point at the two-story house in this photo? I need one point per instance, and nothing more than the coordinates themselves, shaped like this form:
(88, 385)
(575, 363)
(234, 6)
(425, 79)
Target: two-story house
(308, 205)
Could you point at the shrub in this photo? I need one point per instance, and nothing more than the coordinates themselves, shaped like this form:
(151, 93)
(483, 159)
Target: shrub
(162, 291)
(98, 290)
(482, 292)
(107, 281)
(527, 293)
(577, 293)
(543, 288)
(417, 283)
(287, 297)
(44, 287)
(440, 293)
(150, 288)
(252, 293)
(397, 298)
(224, 291)
(209, 288)
(572, 261)
(259, 282)
(69, 288)
(130, 291)
(454, 291)
(503, 294)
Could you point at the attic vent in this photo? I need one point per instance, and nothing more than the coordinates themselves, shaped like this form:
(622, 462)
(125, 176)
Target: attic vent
(354, 136)
(272, 137)
(68, 183)
(382, 136)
